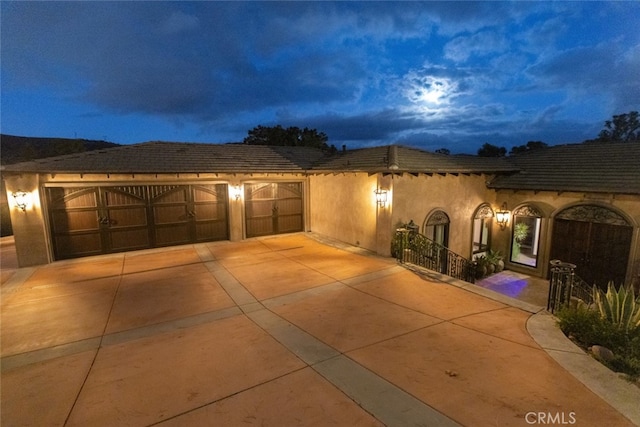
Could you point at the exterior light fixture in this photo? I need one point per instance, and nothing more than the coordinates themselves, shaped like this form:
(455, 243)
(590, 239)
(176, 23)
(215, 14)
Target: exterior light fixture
(381, 197)
(21, 199)
(236, 192)
(502, 216)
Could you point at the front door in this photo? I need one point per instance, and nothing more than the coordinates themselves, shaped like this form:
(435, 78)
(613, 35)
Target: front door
(600, 250)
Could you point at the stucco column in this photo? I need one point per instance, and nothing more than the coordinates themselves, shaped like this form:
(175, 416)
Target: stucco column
(29, 228)
(384, 227)
(236, 209)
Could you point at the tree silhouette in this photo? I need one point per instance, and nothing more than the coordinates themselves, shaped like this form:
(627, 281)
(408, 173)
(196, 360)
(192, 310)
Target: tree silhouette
(623, 127)
(490, 150)
(290, 137)
(530, 146)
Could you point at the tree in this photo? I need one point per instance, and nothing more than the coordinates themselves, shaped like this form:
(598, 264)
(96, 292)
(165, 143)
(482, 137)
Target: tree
(490, 150)
(290, 137)
(623, 127)
(443, 151)
(530, 146)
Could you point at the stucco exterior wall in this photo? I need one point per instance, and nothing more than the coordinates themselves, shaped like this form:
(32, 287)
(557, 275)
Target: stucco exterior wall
(343, 207)
(32, 244)
(414, 198)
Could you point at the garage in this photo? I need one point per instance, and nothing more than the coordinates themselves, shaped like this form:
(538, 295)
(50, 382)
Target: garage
(273, 208)
(98, 220)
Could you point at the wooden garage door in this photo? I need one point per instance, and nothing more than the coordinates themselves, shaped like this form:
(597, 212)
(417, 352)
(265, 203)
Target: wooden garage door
(273, 208)
(186, 214)
(96, 220)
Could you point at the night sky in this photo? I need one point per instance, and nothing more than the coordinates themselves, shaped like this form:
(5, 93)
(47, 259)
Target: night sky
(431, 75)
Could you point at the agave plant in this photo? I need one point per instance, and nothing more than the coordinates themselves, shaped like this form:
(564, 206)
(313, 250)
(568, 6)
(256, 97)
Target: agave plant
(620, 307)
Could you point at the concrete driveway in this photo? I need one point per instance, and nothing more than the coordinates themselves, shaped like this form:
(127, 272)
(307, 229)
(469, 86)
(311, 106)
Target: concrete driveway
(278, 331)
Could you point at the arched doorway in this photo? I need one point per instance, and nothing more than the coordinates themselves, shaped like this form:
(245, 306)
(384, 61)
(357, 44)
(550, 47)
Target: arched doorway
(594, 238)
(482, 221)
(436, 227)
(525, 235)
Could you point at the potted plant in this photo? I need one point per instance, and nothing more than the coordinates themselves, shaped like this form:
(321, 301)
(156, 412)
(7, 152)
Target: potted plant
(520, 232)
(496, 258)
(481, 266)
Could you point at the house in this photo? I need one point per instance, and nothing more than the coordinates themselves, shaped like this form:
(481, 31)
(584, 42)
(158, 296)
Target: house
(579, 203)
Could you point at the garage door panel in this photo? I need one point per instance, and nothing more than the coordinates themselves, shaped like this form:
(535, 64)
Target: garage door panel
(64, 221)
(170, 214)
(173, 194)
(128, 217)
(119, 197)
(258, 208)
(289, 223)
(211, 212)
(273, 208)
(289, 190)
(128, 239)
(175, 234)
(290, 206)
(210, 193)
(211, 230)
(81, 244)
(94, 220)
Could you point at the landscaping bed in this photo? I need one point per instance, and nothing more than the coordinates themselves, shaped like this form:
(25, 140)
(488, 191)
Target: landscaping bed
(609, 329)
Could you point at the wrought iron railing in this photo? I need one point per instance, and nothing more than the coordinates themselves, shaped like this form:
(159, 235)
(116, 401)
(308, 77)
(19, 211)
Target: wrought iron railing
(411, 247)
(565, 284)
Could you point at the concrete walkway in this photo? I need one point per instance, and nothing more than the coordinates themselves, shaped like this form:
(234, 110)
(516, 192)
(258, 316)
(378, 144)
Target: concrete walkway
(280, 331)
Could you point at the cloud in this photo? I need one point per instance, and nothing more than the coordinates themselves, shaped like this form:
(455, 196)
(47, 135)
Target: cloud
(604, 69)
(363, 72)
(483, 43)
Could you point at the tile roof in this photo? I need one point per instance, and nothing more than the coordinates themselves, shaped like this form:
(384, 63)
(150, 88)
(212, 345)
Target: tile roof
(395, 158)
(589, 167)
(172, 157)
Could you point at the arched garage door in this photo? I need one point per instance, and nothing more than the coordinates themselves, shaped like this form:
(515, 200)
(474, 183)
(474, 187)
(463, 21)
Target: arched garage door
(273, 208)
(96, 220)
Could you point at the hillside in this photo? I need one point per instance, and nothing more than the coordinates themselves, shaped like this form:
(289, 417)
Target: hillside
(14, 149)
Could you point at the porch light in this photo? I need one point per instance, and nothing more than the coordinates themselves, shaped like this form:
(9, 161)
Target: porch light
(502, 216)
(381, 197)
(236, 192)
(21, 200)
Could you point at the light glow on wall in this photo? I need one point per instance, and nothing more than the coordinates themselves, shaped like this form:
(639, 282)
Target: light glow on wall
(381, 197)
(235, 192)
(22, 200)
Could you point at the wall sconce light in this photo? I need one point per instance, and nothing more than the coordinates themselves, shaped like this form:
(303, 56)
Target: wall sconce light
(22, 200)
(502, 216)
(381, 197)
(236, 192)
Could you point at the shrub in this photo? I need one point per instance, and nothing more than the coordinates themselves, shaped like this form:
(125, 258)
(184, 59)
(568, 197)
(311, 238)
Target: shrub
(620, 307)
(587, 327)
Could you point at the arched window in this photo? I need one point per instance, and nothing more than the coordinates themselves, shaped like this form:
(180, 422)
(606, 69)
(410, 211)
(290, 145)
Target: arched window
(525, 235)
(436, 227)
(482, 229)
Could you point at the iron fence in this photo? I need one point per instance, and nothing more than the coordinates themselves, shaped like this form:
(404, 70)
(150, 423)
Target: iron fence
(565, 284)
(411, 247)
